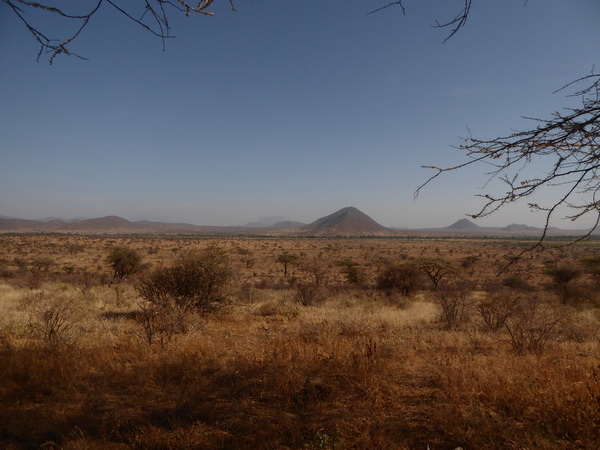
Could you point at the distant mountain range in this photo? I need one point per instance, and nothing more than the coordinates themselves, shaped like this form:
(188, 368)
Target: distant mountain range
(466, 226)
(346, 222)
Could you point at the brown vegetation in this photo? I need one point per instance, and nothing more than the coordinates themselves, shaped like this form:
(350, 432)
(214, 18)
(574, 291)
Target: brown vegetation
(307, 360)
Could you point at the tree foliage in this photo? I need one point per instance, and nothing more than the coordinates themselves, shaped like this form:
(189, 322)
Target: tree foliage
(286, 259)
(352, 271)
(562, 276)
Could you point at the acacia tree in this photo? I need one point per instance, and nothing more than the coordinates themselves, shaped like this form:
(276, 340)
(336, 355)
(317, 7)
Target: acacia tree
(437, 269)
(286, 259)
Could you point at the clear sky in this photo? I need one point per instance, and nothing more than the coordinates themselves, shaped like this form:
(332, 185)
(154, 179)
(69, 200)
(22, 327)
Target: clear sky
(292, 108)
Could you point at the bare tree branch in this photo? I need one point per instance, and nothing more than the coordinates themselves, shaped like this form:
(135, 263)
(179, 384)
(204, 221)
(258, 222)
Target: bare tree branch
(455, 24)
(569, 140)
(458, 22)
(153, 18)
(398, 3)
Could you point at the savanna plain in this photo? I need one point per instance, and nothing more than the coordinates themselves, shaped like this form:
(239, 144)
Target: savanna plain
(157, 342)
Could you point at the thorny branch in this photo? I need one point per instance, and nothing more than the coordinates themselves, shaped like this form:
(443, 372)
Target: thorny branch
(149, 14)
(458, 22)
(569, 140)
(455, 24)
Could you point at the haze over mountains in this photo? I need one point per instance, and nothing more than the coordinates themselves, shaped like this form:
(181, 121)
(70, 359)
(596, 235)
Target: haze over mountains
(347, 221)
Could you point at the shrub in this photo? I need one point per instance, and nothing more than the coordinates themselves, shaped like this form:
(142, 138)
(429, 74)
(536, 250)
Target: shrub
(404, 279)
(562, 276)
(517, 283)
(455, 303)
(197, 280)
(532, 326)
(52, 320)
(592, 267)
(308, 293)
(496, 309)
(124, 262)
(161, 322)
(84, 281)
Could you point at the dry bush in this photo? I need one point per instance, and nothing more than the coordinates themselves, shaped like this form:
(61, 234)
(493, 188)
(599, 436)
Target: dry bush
(402, 279)
(161, 322)
(83, 280)
(517, 283)
(438, 270)
(592, 267)
(496, 309)
(52, 319)
(308, 294)
(197, 280)
(351, 371)
(248, 293)
(533, 326)
(456, 304)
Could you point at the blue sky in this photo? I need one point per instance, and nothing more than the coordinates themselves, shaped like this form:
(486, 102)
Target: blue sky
(282, 108)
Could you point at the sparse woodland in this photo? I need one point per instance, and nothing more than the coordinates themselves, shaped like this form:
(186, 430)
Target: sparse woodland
(130, 342)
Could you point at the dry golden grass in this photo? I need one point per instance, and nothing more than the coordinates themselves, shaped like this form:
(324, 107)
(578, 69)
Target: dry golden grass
(355, 370)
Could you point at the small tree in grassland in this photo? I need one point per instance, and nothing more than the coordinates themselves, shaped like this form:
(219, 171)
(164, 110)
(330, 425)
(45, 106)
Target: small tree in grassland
(286, 259)
(124, 262)
(352, 271)
(437, 269)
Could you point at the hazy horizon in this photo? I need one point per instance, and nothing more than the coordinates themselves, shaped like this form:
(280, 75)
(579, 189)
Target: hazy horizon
(283, 108)
(262, 220)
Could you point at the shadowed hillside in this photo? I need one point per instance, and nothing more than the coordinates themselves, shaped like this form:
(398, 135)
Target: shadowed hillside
(346, 221)
(108, 223)
(463, 225)
(29, 225)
